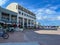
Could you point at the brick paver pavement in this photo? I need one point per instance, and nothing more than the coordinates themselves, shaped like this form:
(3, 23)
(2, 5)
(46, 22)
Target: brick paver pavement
(14, 37)
(43, 37)
(21, 43)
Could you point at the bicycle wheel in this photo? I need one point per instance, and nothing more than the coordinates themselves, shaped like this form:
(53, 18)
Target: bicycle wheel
(5, 36)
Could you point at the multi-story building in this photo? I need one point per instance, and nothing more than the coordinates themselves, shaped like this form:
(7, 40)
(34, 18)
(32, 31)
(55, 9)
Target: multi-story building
(25, 18)
(7, 16)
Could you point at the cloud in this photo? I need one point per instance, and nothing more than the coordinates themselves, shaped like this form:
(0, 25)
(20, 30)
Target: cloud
(43, 13)
(49, 11)
(2, 2)
(47, 14)
(58, 17)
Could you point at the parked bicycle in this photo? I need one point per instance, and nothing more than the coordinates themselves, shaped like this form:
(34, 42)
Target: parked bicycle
(4, 34)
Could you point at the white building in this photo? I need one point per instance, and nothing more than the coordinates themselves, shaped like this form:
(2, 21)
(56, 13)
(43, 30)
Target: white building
(7, 17)
(25, 18)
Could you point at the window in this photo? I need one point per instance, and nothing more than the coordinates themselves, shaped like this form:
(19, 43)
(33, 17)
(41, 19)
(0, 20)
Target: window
(5, 16)
(27, 15)
(19, 12)
(22, 13)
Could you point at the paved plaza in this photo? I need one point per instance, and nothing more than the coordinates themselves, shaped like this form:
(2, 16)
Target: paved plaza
(29, 43)
(33, 37)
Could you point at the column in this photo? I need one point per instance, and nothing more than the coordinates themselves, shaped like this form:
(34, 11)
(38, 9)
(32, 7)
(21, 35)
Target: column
(17, 21)
(0, 15)
(23, 22)
(34, 24)
(27, 23)
(30, 23)
(10, 18)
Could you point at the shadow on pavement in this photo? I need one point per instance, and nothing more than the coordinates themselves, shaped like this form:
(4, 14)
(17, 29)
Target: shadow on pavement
(43, 39)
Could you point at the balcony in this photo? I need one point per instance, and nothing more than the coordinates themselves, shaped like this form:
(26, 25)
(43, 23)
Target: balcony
(13, 21)
(4, 20)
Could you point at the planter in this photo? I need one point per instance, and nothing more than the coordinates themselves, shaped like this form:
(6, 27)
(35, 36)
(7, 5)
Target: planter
(19, 29)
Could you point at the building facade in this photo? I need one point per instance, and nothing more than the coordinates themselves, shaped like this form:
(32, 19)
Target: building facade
(7, 17)
(25, 18)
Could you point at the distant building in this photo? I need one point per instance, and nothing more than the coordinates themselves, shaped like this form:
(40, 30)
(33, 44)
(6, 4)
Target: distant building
(49, 27)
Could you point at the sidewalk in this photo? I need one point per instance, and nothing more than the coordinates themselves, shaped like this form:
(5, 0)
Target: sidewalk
(28, 43)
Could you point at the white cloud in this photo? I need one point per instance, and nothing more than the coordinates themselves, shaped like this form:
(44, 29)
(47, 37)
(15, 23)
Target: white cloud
(2, 2)
(43, 13)
(54, 7)
(55, 18)
(41, 17)
(58, 17)
(47, 13)
(45, 10)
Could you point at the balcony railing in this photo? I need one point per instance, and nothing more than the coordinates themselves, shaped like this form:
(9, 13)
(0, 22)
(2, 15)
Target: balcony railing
(14, 21)
(8, 21)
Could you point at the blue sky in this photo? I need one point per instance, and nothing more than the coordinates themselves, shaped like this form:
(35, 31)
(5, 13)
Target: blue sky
(47, 11)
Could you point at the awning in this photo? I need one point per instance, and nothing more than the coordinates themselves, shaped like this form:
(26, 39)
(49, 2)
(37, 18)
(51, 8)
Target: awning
(8, 23)
(2, 22)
